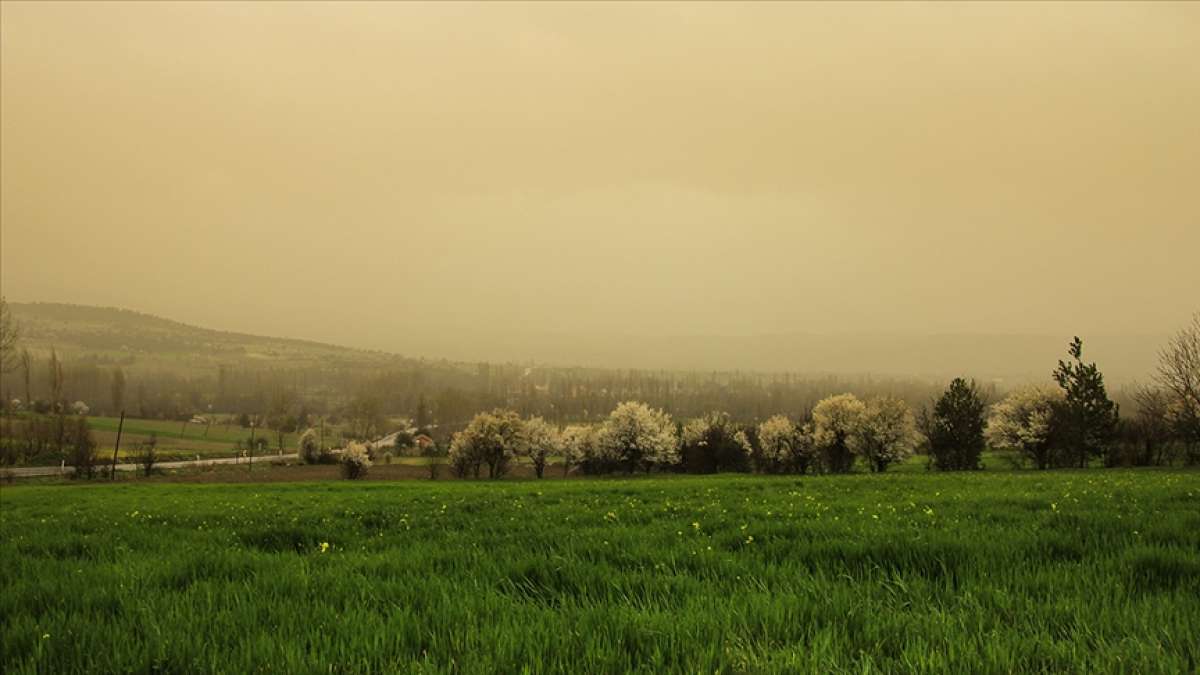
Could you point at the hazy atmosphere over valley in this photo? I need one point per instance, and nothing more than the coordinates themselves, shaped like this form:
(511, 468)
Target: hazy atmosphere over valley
(594, 338)
(693, 186)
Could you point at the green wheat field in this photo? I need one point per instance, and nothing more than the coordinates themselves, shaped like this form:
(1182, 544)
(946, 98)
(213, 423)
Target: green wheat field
(968, 573)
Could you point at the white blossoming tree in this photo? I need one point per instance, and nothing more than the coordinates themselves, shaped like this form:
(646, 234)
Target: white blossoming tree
(886, 432)
(355, 460)
(835, 419)
(542, 441)
(492, 439)
(309, 448)
(636, 435)
(785, 446)
(1024, 421)
(580, 448)
(714, 443)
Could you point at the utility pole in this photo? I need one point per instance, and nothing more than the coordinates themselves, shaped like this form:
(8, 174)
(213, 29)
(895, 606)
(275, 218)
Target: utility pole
(120, 426)
(251, 465)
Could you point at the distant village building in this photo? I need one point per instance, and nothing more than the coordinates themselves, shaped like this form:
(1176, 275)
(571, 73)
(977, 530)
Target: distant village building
(388, 444)
(423, 442)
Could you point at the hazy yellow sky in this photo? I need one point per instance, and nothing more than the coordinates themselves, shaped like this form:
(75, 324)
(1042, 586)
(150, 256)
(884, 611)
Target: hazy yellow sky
(381, 174)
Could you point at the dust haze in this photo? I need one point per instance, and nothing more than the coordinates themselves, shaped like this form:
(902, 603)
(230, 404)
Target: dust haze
(575, 182)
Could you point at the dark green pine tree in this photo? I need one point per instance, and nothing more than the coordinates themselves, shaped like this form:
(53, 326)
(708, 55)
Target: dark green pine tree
(1088, 417)
(956, 432)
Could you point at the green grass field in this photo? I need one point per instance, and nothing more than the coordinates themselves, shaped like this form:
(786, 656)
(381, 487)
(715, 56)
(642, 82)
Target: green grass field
(1089, 571)
(176, 440)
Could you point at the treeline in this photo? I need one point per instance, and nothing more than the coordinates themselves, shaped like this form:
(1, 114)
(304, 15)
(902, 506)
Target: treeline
(439, 396)
(68, 437)
(1072, 425)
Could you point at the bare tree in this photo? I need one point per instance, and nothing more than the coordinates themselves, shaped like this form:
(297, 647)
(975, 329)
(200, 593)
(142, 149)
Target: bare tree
(55, 380)
(1152, 427)
(10, 334)
(57, 406)
(82, 453)
(146, 455)
(1179, 373)
(26, 374)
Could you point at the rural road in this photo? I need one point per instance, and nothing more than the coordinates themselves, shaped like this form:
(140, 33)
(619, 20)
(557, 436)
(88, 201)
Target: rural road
(29, 471)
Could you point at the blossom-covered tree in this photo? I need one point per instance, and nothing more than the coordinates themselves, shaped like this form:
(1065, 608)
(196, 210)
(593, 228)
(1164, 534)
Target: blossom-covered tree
(541, 441)
(355, 460)
(886, 432)
(637, 435)
(835, 420)
(309, 448)
(581, 448)
(491, 439)
(1025, 421)
(714, 443)
(785, 446)
(776, 436)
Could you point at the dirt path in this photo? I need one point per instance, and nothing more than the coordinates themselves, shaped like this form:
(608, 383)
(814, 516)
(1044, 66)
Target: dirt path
(29, 471)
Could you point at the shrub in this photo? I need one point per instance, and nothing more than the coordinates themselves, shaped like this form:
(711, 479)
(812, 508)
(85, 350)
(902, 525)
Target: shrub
(355, 461)
(404, 441)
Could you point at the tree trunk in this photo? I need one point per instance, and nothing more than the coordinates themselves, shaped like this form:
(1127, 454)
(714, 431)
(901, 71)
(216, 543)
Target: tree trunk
(120, 426)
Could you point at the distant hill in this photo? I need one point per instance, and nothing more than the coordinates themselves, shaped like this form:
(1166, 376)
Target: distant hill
(121, 336)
